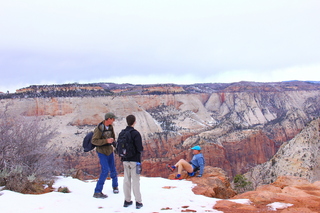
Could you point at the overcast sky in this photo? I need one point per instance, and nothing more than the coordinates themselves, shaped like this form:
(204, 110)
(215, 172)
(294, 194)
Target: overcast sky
(163, 41)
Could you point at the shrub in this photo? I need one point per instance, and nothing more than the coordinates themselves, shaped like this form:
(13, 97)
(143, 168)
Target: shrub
(63, 189)
(26, 157)
(241, 183)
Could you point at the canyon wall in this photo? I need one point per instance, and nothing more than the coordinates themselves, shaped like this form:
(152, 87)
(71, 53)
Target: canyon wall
(298, 157)
(238, 126)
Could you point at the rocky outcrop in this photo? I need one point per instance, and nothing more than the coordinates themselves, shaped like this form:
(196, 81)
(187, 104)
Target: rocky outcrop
(298, 157)
(295, 194)
(213, 183)
(238, 125)
(54, 88)
(243, 86)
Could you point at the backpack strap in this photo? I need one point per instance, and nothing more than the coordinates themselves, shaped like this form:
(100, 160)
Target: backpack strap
(102, 129)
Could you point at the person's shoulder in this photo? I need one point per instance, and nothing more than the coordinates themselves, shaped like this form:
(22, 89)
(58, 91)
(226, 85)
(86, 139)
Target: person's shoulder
(97, 128)
(100, 126)
(199, 155)
(135, 132)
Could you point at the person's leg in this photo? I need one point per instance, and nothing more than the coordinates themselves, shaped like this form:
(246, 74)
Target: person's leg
(113, 171)
(135, 182)
(183, 164)
(127, 181)
(103, 174)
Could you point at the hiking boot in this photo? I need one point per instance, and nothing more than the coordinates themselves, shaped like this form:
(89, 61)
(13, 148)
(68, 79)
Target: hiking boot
(115, 190)
(99, 195)
(138, 205)
(126, 204)
(171, 168)
(178, 177)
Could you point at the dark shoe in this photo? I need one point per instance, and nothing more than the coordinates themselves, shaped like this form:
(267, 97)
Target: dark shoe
(99, 195)
(171, 168)
(126, 204)
(178, 177)
(138, 205)
(115, 190)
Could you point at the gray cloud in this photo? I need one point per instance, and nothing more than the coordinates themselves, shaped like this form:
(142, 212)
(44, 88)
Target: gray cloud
(181, 40)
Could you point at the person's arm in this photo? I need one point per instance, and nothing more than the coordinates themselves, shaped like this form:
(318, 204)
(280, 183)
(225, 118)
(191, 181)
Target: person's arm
(201, 165)
(138, 141)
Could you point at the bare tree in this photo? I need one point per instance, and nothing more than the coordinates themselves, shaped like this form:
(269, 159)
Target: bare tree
(27, 160)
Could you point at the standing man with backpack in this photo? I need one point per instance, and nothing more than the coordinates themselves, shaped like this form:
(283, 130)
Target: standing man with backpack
(131, 162)
(104, 139)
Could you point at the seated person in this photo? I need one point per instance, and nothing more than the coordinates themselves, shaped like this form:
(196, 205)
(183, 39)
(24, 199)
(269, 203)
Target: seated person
(197, 163)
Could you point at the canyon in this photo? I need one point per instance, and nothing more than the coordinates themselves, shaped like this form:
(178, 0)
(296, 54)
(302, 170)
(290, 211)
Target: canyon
(238, 125)
(298, 157)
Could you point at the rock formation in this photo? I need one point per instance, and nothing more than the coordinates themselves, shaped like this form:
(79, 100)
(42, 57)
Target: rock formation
(213, 183)
(238, 125)
(299, 195)
(298, 157)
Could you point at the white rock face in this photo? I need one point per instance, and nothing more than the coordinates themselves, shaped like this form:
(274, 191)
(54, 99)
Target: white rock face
(298, 157)
(208, 114)
(214, 120)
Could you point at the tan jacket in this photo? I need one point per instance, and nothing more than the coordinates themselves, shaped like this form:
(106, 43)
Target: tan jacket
(100, 134)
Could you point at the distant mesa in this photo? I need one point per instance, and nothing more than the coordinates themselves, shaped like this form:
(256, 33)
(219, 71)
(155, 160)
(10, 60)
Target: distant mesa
(110, 89)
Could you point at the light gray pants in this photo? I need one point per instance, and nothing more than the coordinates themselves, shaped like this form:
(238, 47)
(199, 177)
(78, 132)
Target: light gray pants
(131, 180)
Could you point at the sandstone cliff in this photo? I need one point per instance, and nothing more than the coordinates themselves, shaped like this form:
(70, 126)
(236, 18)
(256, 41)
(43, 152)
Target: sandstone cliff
(298, 157)
(294, 194)
(213, 183)
(238, 125)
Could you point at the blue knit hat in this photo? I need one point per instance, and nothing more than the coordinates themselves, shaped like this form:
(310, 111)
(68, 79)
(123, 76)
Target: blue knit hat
(196, 148)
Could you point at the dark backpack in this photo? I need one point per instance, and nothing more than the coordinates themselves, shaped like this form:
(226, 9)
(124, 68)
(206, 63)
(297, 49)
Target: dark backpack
(87, 145)
(125, 146)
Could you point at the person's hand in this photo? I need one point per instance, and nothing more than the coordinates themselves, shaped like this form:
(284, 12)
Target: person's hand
(110, 140)
(199, 175)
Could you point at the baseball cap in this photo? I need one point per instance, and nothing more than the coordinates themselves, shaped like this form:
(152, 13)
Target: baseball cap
(109, 115)
(196, 148)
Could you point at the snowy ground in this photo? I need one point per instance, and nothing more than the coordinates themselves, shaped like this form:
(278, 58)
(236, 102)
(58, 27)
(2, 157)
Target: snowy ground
(158, 194)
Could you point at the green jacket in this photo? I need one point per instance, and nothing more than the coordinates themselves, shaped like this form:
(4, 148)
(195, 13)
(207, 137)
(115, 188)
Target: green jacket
(100, 134)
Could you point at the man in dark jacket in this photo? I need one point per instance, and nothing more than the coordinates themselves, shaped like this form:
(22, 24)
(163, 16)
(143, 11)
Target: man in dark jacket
(131, 177)
(103, 137)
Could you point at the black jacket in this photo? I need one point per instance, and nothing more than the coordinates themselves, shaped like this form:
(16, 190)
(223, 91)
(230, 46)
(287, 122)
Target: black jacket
(136, 138)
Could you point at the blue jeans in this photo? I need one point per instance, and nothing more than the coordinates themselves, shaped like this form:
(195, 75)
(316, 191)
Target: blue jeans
(107, 164)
